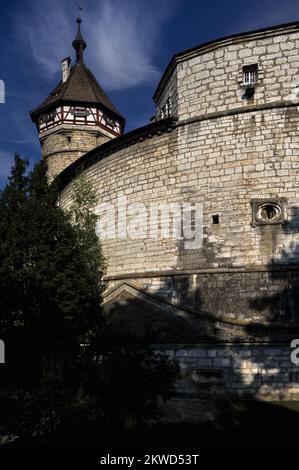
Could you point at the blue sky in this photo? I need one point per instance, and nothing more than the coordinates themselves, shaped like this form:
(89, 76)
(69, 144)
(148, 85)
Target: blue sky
(130, 42)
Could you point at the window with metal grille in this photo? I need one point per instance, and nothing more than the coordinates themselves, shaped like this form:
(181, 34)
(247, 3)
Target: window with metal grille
(250, 74)
(166, 109)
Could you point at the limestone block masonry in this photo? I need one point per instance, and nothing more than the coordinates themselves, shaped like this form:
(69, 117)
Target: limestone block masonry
(60, 149)
(208, 79)
(265, 372)
(228, 150)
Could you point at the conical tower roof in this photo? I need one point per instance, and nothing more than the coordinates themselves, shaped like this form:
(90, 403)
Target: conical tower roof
(80, 88)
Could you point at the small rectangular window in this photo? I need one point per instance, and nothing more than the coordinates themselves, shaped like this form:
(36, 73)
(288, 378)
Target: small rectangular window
(250, 74)
(215, 219)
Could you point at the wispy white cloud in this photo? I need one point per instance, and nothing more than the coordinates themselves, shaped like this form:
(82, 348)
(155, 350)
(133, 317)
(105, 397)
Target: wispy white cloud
(122, 43)
(122, 36)
(45, 26)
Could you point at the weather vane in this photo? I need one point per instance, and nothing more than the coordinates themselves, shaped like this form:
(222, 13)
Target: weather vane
(79, 7)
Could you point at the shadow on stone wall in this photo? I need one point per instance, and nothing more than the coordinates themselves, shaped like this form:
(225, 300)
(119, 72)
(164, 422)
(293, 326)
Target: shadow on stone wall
(253, 351)
(284, 305)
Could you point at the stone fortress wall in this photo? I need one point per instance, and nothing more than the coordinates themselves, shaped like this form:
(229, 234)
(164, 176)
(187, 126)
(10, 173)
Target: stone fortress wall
(208, 79)
(231, 153)
(236, 370)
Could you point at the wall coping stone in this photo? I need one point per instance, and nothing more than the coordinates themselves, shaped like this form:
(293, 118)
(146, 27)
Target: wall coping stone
(178, 272)
(112, 146)
(147, 132)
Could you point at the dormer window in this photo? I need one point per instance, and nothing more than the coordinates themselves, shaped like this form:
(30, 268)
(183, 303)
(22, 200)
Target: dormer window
(250, 74)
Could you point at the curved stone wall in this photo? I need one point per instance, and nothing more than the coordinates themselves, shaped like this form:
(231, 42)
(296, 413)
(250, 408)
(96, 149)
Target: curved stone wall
(227, 309)
(237, 158)
(224, 162)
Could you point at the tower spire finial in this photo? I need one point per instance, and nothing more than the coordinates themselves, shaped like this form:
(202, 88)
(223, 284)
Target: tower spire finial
(79, 44)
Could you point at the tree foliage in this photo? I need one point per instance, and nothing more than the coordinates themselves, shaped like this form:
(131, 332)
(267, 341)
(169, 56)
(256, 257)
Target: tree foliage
(83, 218)
(59, 360)
(50, 289)
(45, 276)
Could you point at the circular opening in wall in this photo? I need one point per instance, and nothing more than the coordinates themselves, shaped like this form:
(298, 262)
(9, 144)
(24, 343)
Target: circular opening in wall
(269, 212)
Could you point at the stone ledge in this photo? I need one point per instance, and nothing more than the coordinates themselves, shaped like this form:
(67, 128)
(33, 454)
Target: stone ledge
(236, 111)
(183, 272)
